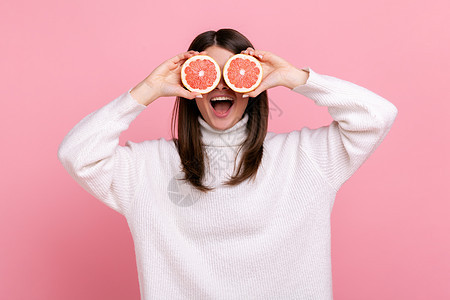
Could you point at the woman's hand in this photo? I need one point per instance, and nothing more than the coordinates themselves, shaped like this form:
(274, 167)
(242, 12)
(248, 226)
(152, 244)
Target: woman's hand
(165, 81)
(276, 72)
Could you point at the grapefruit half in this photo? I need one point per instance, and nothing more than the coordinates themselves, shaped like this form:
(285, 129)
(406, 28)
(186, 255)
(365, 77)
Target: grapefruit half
(243, 73)
(200, 73)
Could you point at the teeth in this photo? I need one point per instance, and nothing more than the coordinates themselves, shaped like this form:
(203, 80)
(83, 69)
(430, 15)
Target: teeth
(221, 98)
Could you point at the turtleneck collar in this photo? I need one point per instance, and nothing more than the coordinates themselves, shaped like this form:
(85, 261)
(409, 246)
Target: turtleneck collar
(233, 136)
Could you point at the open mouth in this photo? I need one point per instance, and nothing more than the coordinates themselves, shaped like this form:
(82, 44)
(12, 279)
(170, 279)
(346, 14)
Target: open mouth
(221, 105)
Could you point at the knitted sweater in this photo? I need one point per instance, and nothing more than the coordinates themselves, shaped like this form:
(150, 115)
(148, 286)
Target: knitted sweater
(267, 239)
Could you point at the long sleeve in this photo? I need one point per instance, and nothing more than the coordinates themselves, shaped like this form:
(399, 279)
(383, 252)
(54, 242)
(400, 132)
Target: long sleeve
(361, 120)
(91, 154)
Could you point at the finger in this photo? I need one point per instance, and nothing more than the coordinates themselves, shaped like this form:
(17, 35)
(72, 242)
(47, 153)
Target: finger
(178, 60)
(248, 51)
(176, 64)
(261, 88)
(183, 56)
(193, 52)
(187, 94)
(193, 96)
(259, 54)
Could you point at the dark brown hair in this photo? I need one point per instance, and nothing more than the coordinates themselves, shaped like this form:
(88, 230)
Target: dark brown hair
(189, 143)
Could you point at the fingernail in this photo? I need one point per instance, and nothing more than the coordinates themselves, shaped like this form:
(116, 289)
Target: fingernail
(260, 56)
(245, 96)
(199, 96)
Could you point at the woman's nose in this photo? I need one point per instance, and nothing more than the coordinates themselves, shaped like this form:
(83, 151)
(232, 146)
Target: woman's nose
(222, 85)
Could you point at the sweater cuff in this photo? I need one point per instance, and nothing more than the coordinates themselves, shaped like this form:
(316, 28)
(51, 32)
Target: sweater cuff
(318, 85)
(136, 102)
(330, 91)
(310, 84)
(125, 107)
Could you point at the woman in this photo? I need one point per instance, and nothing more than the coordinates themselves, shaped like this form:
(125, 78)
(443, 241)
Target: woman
(229, 210)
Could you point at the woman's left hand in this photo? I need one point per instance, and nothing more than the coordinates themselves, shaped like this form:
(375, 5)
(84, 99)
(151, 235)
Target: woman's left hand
(276, 72)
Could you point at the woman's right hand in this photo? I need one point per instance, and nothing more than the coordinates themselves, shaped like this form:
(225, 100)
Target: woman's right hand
(164, 81)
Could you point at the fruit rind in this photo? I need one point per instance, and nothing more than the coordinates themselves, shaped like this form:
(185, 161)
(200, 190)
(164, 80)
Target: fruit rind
(232, 86)
(197, 57)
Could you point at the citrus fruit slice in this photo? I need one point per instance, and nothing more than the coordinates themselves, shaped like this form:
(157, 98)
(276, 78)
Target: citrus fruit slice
(200, 73)
(242, 73)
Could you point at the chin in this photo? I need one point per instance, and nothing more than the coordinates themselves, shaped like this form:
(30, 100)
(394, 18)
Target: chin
(222, 124)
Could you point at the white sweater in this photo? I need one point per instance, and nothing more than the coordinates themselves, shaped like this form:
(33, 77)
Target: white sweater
(268, 239)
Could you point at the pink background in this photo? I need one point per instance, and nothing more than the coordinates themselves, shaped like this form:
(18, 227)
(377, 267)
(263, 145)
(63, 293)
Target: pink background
(61, 60)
